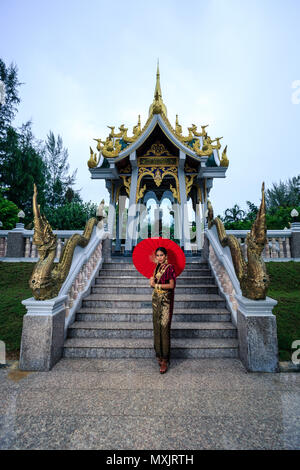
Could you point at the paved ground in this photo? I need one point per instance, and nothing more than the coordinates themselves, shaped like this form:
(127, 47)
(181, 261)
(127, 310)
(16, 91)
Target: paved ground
(127, 404)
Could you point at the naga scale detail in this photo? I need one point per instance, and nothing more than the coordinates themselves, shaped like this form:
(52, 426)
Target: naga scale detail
(47, 278)
(252, 275)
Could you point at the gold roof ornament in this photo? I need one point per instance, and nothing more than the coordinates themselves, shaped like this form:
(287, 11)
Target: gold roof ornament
(224, 161)
(93, 162)
(158, 106)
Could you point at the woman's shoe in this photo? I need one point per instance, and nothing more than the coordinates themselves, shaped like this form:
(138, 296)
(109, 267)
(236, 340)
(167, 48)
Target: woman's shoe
(163, 366)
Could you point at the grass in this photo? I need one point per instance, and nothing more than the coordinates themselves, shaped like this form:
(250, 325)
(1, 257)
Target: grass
(284, 287)
(14, 288)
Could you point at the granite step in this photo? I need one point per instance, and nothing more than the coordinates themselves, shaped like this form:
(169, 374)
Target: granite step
(131, 267)
(142, 281)
(133, 289)
(115, 319)
(143, 347)
(145, 314)
(85, 329)
(144, 300)
(135, 274)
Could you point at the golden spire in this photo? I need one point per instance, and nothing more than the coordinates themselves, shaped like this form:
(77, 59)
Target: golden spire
(158, 106)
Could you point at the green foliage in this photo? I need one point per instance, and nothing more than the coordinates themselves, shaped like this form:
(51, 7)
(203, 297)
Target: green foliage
(14, 288)
(280, 200)
(58, 180)
(234, 214)
(21, 167)
(8, 213)
(25, 160)
(70, 216)
(285, 288)
(280, 218)
(283, 194)
(9, 76)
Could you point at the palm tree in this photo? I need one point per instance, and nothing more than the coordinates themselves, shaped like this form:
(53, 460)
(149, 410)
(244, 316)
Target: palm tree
(234, 214)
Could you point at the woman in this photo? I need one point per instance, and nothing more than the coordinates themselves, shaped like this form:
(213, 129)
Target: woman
(164, 282)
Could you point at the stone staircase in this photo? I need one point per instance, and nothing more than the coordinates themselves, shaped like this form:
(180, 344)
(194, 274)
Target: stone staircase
(115, 320)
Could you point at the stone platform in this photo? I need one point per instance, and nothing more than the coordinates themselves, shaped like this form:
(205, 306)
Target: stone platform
(126, 404)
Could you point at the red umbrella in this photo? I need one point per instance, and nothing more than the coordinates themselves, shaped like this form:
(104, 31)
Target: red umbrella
(143, 256)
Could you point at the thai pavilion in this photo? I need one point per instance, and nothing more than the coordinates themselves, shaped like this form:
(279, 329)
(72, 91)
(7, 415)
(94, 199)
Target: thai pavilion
(158, 163)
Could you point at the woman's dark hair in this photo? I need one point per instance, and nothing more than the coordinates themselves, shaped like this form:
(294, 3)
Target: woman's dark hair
(161, 248)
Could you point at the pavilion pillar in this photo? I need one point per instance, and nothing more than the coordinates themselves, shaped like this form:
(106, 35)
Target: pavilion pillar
(185, 241)
(132, 209)
(119, 222)
(112, 210)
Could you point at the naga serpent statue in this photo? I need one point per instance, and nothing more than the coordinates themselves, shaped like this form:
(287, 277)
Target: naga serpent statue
(47, 278)
(252, 275)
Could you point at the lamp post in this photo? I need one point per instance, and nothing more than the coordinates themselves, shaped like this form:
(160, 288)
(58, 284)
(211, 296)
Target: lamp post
(21, 216)
(294, 215)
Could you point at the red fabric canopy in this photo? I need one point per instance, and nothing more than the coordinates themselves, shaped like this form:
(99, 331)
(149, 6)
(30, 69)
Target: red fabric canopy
(143, 256)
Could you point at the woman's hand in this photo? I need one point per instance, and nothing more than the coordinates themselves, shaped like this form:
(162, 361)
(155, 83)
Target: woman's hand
(152, 282)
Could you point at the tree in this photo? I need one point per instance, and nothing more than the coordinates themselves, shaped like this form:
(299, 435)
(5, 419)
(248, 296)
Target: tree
(8, 109)
(8, 214)
(58, 179)
(70, 216)
(283, 194)
(22, 166)
(234, 214)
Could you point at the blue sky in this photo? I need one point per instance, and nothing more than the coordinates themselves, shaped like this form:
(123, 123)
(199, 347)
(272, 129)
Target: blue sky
(227, 63)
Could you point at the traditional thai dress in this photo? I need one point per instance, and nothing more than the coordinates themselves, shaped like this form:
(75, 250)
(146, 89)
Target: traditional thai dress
(162, 305)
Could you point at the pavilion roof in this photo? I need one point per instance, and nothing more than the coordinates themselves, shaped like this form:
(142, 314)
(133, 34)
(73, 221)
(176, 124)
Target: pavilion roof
(118, 144)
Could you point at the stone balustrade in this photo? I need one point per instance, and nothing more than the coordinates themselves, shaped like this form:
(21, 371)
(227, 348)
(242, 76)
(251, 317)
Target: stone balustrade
(278, 246)
(3, 243)
(46, 322)
(282, 245)
(29, 250)
(254, 320)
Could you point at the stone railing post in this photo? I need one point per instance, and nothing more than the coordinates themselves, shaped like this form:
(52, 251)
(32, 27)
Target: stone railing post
(256, 325)
(106, 250)
(16, 242)
(257, 334)
(295, 240)
(43, 333)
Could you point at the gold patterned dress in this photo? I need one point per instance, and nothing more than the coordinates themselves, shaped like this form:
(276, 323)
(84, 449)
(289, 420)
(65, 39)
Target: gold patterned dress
(162, 306)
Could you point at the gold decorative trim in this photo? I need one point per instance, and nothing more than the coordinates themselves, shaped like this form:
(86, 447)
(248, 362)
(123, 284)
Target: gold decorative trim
(189, 180)
(157, 176)
(127, 183)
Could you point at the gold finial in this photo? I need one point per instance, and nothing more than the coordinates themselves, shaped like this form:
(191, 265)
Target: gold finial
(158, 106)
(178, 128)
(157, 85)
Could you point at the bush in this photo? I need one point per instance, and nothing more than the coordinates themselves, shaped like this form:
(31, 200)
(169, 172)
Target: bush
(71, 216)
(8, 213)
